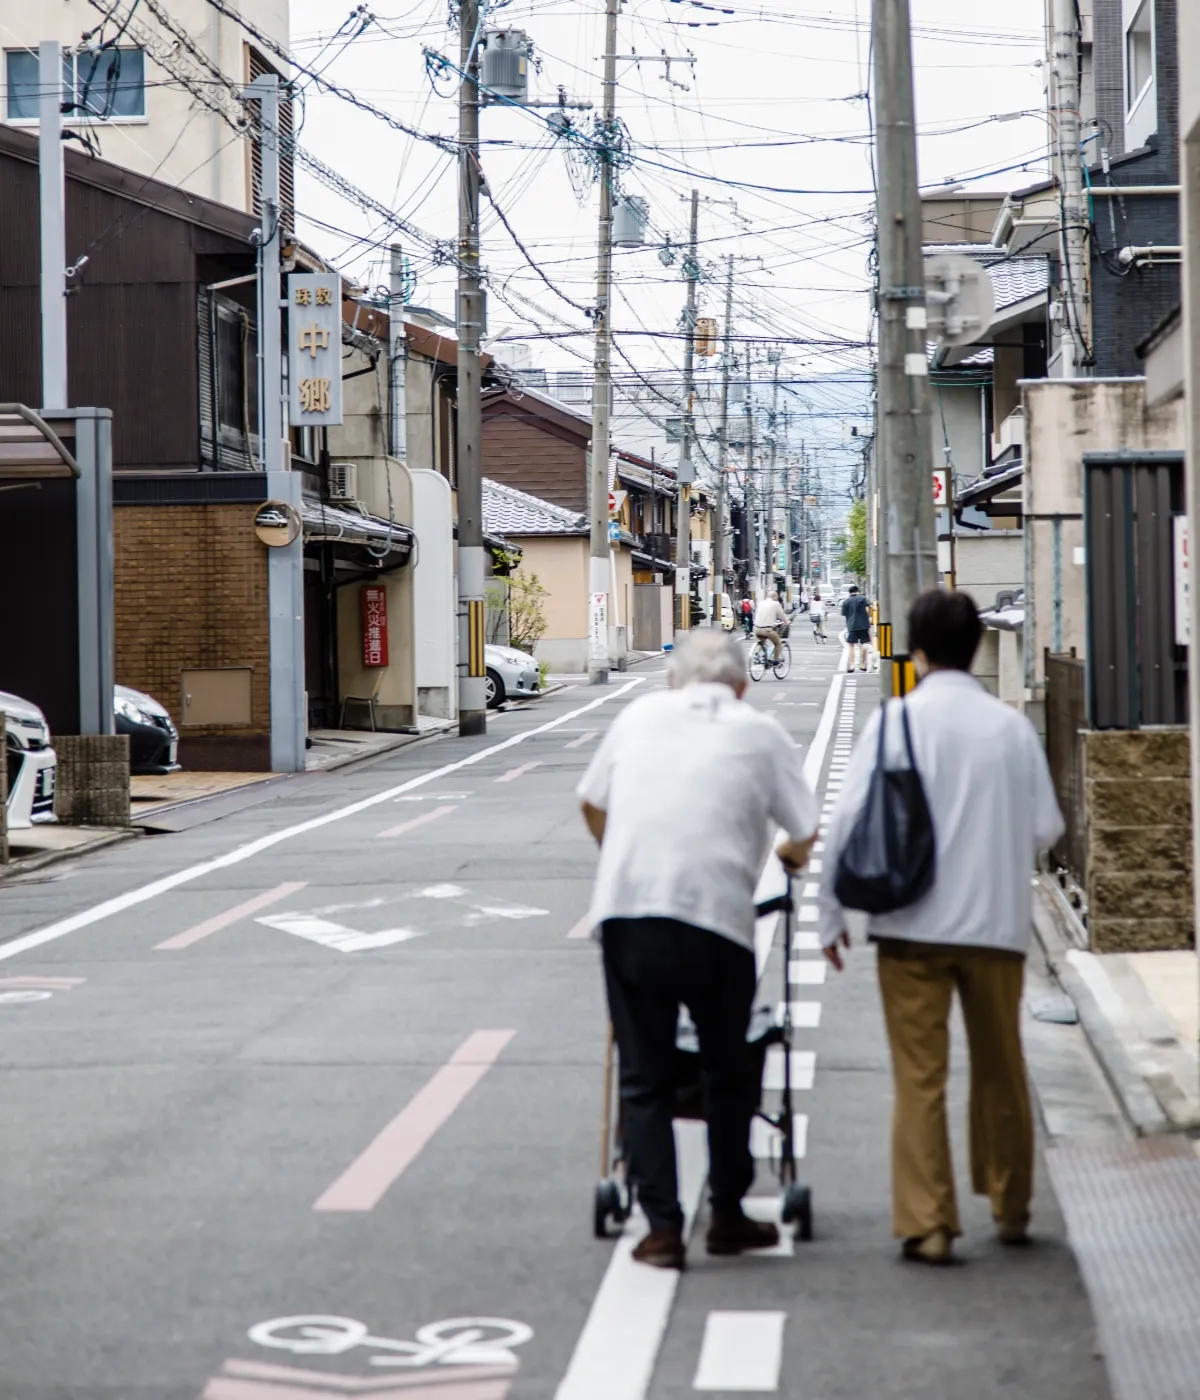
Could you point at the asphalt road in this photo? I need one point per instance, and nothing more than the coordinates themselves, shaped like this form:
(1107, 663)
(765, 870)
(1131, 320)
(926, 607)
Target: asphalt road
(295, 1098)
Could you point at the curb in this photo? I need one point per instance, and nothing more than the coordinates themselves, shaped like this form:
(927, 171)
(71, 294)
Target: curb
(1141, 1109)
(25, 864)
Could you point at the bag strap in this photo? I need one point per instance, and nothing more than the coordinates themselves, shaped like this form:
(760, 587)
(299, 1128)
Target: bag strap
(880, 752)
(908, 744)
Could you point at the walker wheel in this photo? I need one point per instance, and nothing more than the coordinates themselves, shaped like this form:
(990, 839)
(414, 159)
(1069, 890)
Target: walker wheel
(606, 1206)
(796, 1210)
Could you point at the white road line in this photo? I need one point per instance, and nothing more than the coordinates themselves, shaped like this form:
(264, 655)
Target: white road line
(741, 1351)
(119, 903)
(765, 1140)
(615, 1355)
(804, 1068)
(804, 940)
(807, 972)
(806, 1015)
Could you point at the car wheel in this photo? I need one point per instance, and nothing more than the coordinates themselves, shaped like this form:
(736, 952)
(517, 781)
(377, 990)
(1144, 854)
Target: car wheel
(494, 689)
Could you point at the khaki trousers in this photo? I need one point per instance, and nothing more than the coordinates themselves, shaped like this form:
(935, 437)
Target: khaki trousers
(917, 982)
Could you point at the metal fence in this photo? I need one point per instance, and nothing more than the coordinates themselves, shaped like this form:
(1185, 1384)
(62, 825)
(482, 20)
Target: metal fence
(1066, 716)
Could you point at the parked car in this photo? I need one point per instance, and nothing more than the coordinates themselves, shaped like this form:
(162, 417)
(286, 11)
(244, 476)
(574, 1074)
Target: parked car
(153, 738)
(31, 760)
(511, 675)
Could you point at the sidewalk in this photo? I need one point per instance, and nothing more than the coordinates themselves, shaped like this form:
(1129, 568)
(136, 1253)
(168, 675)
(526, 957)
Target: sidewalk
(1141, 1015)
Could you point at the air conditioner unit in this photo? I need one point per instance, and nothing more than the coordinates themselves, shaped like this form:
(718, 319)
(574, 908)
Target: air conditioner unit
(343, 481)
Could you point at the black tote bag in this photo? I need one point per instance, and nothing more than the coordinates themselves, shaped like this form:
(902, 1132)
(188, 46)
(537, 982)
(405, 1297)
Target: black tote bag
(890, 858)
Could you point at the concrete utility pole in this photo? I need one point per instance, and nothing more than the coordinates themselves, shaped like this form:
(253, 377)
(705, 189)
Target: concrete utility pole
(53, 225)
(773, 467)
(472, 695)
(903, 411)
(723, 443)
(753, 493)
(285, 564)
(687, 470)
(397, 355)
(599, 569)
(1073, 236)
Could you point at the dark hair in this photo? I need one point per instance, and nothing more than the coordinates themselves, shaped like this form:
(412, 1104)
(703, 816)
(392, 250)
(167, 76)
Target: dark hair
(854, 588)
(945, 625)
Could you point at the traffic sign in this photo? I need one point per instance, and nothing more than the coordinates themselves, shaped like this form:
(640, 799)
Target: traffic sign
(941, 487)
(614, 532)
(616, 499)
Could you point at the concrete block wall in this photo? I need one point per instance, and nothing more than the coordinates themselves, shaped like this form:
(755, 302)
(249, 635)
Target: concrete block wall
(92, 779)
(1137, 790)
(191, 594)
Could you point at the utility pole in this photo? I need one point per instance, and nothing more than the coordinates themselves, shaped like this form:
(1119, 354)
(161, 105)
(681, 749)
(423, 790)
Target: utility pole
(1073, 237)
(472, 695)
(906, 462)
(285, 563)
(687, 470)
(723, 444)
(771, 470)
(397, 356)
(53, 225)
(753, 492)
(599, 568)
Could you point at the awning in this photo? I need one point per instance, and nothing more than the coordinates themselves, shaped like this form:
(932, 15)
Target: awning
(327, 524)
(1004, 619)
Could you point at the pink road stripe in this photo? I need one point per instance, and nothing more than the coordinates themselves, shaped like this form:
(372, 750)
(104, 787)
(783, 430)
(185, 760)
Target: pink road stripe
(423, 820)
(230, 916)
(582, 929)
(229, 1388)
(583, 738)
(364, 1182)
(444, 1375)
(516, 772)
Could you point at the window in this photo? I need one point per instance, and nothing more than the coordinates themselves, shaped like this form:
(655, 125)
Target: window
(1139, 55)
(98, 84)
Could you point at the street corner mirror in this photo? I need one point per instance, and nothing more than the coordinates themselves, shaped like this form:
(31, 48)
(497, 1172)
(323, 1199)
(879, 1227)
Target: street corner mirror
(277, 524)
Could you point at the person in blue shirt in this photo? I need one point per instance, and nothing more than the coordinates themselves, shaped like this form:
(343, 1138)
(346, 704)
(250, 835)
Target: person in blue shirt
(858, 627)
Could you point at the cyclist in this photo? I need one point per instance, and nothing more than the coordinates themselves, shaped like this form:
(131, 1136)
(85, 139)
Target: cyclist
(747, 616)
(769, 616)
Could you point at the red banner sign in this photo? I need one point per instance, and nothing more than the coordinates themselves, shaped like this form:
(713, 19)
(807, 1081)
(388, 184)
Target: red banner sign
(374, 625)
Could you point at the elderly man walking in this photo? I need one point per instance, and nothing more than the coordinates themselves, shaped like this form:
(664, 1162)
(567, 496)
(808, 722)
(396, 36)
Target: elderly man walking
(989, 792)
(684, 795)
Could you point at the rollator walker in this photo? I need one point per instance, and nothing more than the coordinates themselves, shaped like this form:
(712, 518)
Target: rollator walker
(615, 1193)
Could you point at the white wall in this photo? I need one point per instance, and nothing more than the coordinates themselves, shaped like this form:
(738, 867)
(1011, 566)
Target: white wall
(174, 142)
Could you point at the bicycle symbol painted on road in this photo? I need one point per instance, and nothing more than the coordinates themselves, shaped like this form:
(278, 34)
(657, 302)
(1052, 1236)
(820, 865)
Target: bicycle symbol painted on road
(18, 991)
(456, 1341)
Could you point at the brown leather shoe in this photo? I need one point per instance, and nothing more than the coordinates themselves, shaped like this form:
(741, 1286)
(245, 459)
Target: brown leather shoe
(662, 1249)
(935, 1248)
(1013, 1235)
(732, 1234)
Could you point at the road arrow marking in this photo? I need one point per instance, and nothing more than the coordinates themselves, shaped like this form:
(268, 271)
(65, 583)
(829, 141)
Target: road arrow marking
(338, 936)
(230, 916)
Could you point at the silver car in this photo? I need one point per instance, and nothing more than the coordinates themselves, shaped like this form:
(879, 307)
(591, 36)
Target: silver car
(511, 675)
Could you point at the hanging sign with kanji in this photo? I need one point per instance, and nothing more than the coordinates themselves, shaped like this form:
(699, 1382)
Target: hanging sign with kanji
(314, 348)
(374, 625)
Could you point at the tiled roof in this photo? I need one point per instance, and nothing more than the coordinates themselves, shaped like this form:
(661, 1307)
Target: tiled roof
(508, 511)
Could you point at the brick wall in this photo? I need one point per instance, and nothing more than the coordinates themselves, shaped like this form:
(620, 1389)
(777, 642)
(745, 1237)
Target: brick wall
(1139, 839)
(191, 593)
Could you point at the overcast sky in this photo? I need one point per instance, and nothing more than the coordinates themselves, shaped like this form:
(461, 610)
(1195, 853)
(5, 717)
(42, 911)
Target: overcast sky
(770, 124)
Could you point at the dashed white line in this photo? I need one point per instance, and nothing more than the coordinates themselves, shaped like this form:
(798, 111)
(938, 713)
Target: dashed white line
(741, 1351)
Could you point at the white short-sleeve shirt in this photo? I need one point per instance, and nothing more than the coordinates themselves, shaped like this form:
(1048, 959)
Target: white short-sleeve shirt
(695, 784)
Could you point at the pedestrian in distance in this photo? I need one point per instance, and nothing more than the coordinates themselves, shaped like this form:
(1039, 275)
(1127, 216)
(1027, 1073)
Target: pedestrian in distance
(988, 789)
(858, 627)
(674, 907)
(769, 618)
(817, 613)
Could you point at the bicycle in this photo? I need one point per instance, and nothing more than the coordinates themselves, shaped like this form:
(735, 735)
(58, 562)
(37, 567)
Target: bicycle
(759, 665)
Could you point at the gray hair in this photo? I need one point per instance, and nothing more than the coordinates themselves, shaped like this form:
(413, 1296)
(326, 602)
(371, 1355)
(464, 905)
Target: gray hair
(707, 655)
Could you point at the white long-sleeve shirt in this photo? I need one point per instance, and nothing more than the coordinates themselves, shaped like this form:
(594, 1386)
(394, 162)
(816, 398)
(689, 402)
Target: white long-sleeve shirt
(770, 613)
(993, 806)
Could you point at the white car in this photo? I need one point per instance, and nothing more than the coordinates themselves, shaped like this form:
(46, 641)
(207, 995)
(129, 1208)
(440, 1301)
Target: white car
(31, 763)
(511, 675)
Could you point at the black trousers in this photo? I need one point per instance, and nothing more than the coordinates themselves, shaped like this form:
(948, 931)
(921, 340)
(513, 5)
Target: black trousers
(651, 968)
